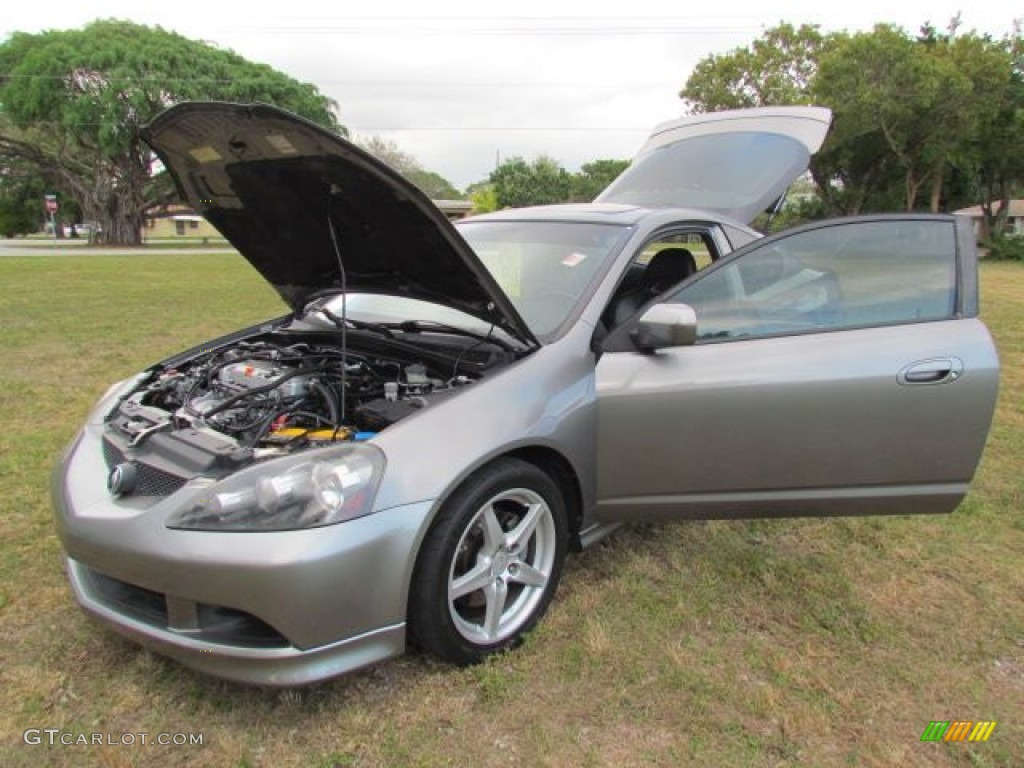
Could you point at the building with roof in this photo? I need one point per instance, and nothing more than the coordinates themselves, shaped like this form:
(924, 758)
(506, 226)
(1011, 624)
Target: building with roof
(1014, 219)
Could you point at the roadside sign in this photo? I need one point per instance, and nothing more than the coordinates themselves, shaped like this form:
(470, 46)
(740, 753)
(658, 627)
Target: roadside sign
(51, 203)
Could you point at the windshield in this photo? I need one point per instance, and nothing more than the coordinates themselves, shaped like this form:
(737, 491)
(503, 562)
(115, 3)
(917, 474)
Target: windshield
(544, 267)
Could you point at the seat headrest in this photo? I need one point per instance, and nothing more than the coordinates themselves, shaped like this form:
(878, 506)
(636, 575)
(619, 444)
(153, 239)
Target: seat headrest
(668, 266)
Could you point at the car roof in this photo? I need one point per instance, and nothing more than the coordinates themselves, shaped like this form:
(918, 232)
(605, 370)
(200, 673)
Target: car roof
(603, 213)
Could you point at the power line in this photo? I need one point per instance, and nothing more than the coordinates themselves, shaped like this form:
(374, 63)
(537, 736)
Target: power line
(130, 79)
(485, 129)
(509, 24)
(513, 26)
(411, 129)
(592, 31)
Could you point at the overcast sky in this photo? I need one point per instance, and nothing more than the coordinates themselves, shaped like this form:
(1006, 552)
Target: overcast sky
(460, 84)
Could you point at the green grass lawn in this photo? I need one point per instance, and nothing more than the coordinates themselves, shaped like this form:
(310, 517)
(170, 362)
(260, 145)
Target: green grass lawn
(177, 241)
(793, 642)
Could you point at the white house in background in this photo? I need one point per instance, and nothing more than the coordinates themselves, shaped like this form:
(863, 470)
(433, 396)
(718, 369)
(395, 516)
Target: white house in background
(174, 221)
(455, 209)
(1014, 220)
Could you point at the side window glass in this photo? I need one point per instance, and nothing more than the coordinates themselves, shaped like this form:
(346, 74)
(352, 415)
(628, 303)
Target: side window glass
(845, 275)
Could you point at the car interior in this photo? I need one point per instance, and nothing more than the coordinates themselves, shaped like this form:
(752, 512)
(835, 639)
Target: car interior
(660, 266)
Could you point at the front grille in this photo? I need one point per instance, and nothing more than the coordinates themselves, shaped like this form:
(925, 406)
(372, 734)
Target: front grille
(215, 623)
(154, 482)
(151, 481)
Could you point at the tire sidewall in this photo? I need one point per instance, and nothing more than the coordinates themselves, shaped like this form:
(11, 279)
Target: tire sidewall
(430, 622)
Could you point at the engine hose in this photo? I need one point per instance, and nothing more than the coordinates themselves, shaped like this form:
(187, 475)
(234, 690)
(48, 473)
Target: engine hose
(265, 388)
(329, 399)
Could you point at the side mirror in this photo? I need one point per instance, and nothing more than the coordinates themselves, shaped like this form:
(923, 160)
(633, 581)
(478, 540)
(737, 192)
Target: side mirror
(666, 325)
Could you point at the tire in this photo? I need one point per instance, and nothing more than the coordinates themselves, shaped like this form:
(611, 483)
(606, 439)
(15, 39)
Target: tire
(489, 564)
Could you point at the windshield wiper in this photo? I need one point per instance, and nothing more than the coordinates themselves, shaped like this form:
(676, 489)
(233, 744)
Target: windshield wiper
(419, 326)
(360, 325)
(405, 326)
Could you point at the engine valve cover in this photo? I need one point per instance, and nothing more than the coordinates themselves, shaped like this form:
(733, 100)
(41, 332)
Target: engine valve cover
(250, 374)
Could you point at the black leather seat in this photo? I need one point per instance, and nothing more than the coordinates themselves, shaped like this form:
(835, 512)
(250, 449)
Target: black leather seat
(666, 268)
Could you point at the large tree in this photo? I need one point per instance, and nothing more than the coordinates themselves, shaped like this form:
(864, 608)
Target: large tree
(777, 68)
(988, 161)
(914, 100)
(73, 102)
(933, 107)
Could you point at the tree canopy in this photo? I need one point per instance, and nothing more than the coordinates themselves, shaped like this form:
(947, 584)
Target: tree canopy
(776, 69)
(594, 176)
(920, 122)
(540, 182)
(72, 103)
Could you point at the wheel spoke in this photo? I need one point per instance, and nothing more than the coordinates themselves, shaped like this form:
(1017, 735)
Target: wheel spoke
(496, 593)
(528, 575)
(519, 535)
(494, 535)
(504, 562)
(477, 577)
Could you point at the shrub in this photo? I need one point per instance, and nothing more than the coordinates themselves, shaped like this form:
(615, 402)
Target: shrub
(1004, 248)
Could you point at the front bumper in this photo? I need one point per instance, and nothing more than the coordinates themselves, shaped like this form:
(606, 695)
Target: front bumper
(282, 666)
(273, 608)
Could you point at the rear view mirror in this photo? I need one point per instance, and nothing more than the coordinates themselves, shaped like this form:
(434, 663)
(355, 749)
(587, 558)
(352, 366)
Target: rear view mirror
(666, 325)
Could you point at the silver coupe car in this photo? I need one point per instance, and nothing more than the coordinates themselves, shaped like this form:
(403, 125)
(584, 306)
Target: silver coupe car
(407, 456)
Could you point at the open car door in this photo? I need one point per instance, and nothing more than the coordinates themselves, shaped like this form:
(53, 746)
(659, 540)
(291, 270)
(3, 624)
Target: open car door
(840, 368)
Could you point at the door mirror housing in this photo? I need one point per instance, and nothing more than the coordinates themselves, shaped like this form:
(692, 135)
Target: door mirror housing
(665, 325)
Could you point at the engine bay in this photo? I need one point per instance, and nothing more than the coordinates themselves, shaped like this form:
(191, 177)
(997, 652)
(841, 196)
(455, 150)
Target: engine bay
(275, 393)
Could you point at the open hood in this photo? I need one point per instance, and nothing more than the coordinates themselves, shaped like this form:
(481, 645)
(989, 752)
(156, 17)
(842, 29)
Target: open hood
(735, 163)
(276, 185)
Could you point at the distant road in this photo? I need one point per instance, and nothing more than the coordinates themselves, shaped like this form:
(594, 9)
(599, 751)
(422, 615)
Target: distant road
(77, 247)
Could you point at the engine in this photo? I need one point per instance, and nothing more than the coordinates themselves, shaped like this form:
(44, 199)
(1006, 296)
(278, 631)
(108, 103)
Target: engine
(249, 377)
(268, 397)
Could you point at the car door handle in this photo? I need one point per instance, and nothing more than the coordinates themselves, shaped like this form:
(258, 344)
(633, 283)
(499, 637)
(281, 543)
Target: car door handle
(939, 370)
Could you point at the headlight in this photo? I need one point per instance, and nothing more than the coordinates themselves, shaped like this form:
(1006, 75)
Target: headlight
(317, 488)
